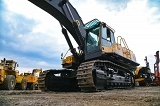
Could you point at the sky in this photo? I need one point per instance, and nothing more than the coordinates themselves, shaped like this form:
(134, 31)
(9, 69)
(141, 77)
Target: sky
(33, 38)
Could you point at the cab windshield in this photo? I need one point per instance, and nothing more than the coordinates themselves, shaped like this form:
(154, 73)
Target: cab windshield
(92, 29)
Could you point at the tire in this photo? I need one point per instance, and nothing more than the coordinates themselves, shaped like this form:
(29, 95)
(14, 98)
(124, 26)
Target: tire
(22, 85)
(9, 82)
(32, 87)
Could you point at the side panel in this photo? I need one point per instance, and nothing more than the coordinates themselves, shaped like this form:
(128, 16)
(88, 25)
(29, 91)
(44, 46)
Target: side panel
(31, 79)
(118, 49)
(19, 79)
(2, 75)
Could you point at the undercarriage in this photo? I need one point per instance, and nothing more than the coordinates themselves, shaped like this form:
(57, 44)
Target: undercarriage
(91, 76)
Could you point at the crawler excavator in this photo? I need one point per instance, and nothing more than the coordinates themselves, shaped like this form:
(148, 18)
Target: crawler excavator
(101, 62)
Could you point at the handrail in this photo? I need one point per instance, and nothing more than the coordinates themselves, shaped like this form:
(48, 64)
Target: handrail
(122, 40)
(118, 37)
(119, 40)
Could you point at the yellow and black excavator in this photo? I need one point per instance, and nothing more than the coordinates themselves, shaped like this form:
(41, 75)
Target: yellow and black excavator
(101, 62)
(143, 75)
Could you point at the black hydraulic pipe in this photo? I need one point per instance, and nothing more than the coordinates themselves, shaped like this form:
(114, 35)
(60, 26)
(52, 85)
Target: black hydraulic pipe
(73, 50)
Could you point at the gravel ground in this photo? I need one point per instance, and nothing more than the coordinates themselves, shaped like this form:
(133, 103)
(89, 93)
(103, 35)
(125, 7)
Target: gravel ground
(139, 96)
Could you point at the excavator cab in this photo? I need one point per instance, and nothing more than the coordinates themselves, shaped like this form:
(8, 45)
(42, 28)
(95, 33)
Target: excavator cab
(101, 44)
(98, 34)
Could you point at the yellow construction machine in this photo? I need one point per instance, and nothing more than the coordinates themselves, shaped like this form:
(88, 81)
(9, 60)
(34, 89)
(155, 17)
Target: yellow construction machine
(9, 76)
(143, 75)
(32, 79)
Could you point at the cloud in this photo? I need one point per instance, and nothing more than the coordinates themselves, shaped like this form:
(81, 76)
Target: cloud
(114, 5)
(153, 3)
(12, 26)
(28, 40)
(154, 9)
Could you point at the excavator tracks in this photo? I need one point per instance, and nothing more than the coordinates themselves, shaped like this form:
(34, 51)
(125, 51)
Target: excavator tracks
(86, 79)
(91, 76)
(58, 80)
(41, 81)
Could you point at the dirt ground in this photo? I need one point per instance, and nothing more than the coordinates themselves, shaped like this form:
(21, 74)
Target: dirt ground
(139, 96)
